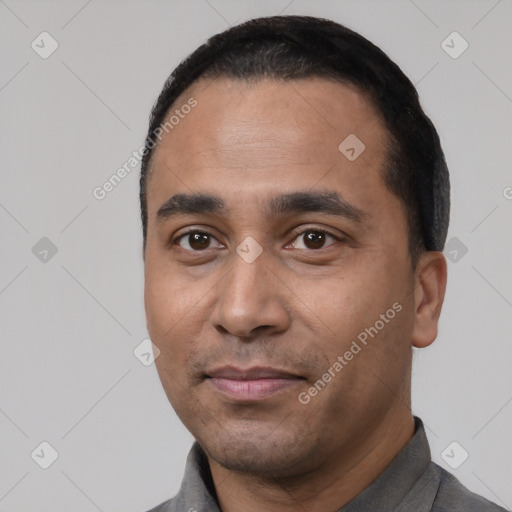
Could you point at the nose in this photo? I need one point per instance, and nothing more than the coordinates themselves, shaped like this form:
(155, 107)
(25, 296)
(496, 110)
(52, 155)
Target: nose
(251, 301)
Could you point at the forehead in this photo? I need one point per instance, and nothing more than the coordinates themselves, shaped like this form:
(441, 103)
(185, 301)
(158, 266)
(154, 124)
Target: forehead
(255, 137)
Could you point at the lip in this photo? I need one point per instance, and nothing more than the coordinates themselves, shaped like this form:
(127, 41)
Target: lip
(251, 384)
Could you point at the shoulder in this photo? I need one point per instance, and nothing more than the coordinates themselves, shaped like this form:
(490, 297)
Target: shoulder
(452, 496)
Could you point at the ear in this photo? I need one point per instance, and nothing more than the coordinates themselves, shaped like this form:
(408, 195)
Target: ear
(430, 287)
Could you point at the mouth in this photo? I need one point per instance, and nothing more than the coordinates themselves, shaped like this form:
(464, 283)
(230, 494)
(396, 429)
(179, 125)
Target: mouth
(251, 384)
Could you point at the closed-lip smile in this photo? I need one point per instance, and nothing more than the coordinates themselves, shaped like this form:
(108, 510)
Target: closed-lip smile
(250, 384)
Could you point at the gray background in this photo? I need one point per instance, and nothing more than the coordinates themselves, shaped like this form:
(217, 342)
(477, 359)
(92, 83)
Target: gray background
(70, 323)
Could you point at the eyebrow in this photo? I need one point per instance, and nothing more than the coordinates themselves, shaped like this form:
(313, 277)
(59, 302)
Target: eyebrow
(330, 203)
(183, 204)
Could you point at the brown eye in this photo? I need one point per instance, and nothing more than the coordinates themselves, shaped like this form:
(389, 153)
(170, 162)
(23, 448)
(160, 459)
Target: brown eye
(313, 239)
(195, 241)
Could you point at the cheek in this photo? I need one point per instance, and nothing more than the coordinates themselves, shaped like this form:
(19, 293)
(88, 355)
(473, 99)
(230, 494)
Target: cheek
(171, 315)
(365, 319)
(176, 299)
(175, 328)
(349, 299)
(168, 297)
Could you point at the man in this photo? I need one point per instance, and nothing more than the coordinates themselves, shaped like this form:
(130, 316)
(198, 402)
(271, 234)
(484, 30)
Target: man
(295, 200)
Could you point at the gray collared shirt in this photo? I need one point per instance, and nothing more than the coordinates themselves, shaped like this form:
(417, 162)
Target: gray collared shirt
(411, 483)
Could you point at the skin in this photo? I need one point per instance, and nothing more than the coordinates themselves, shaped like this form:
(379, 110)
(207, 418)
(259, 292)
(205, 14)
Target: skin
(295, 307)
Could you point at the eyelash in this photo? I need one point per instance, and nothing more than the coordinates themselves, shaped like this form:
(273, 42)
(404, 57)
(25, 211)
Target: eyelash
(295, 237)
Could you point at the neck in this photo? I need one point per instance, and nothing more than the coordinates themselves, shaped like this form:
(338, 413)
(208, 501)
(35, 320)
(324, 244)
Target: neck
(341, 477)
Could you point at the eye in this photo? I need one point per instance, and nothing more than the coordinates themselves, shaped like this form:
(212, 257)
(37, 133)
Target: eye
(313, 239)
(196, 241)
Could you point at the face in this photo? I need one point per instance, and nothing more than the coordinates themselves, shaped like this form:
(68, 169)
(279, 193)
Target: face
(278, 283)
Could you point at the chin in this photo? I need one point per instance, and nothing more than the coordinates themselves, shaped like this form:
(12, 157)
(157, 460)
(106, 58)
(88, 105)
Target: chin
(280, 451)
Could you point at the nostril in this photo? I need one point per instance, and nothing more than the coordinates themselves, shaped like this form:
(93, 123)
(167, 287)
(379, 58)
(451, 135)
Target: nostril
(222, 329)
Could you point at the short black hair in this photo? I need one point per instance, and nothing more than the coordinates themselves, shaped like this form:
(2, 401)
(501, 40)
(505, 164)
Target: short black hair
(295, 47)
